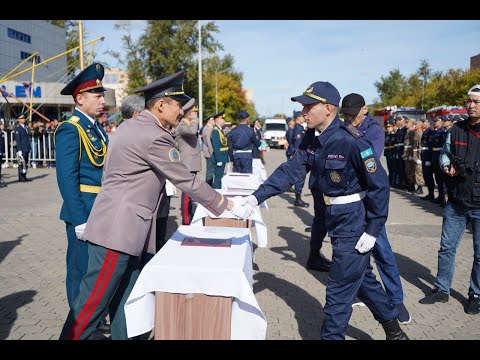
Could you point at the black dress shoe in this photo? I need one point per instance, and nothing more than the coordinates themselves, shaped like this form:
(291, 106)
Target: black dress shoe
(301, 203)
(318, 263)
(428, 197)
(97, 335)
(104, 328)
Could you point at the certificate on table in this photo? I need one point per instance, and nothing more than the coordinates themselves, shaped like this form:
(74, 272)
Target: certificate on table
(210, 270)
(256, 217)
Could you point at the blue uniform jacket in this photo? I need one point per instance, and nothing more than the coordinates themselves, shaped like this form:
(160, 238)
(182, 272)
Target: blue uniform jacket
(219, 145)
(72, 171)
(22, 139)
(297, 136)
(426, 153)
(342, 162)
(242, 138)
(372, 130)
(288, 136)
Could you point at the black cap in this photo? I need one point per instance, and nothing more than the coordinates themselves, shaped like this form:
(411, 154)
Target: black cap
(171, 86)
(438, 118)
(352, 103)
(88, 80)
(320, 91)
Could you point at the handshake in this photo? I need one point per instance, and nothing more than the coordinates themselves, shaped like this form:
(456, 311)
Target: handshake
(243, 207)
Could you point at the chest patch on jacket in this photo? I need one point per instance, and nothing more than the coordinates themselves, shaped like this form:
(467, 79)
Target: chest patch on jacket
(371, 165)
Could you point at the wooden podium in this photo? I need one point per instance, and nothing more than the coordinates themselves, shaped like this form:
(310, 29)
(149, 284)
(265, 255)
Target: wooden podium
(195, 316)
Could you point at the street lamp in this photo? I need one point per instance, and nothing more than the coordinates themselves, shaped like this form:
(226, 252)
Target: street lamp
(216, 88)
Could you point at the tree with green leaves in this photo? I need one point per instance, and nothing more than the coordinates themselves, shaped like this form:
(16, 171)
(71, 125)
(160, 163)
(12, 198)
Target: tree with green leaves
(71, 29)
(168, 46)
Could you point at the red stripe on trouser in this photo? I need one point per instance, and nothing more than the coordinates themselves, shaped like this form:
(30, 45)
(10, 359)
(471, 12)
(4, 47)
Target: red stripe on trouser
(186, 216)
(105, 283)
(77, 321)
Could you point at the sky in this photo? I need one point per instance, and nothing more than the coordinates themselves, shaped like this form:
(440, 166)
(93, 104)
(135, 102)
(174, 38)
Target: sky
(281, 58)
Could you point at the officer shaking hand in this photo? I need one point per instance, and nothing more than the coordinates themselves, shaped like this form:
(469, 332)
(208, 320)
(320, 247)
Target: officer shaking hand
(347, 179)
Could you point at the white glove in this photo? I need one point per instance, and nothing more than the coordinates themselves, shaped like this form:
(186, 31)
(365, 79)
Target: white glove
(428, 163)
(79, 229)
(251, 200)
(366, 243)
(19, 153)
(410, 158)
(242, 211)
(418, 161)
(219, 163)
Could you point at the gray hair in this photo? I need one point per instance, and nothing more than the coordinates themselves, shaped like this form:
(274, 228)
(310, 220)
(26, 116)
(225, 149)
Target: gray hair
(131, 104)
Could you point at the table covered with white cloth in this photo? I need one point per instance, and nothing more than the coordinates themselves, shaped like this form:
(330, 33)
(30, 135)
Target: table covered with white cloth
(215, 271)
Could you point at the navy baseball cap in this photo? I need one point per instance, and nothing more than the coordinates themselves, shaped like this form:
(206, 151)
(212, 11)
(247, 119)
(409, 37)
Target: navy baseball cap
(320, 91)
(171, 86)
(242, 115)
(88, 80)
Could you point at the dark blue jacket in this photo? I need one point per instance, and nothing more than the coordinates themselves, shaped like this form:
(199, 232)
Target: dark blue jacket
(256, 151)
(242, 138)
(74, 168)
(372, 130)
(22, 139)
(342, 162)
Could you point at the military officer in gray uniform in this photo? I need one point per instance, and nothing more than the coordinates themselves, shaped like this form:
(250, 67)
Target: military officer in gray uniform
(189, 148)
(121, 226)
(208, 149)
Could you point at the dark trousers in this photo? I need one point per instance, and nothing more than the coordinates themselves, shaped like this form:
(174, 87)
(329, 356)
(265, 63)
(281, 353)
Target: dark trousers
(319, 227)
(298, 187)
(391, 170)
(110, 278)
(439, 176)
(209, 171)
(243, 166)
(428, 177)
(351, 276)
(400, 170)
(186, 207)
(382, 251)
(218, 175)
(22, 170)
(77, 263)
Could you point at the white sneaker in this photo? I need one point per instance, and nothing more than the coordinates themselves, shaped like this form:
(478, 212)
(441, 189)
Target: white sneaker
(358, 304)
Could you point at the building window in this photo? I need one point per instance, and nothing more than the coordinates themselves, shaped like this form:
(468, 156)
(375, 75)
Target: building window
(110, 79)
(24, 55)
(17, 35)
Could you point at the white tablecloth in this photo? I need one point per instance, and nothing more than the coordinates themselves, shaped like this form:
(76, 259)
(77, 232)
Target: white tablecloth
(218, 271)
(256, 217)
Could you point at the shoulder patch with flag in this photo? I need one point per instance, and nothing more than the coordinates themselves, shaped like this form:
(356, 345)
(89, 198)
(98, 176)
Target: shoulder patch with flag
(366, 153)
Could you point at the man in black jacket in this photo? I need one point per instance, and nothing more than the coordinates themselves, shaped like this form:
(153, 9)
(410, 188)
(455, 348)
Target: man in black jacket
(460, 161)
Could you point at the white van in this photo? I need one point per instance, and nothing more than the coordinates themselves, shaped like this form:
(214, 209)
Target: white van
(274, 132)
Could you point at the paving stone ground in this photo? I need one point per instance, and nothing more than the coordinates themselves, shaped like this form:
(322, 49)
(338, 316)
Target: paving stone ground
(32, 265)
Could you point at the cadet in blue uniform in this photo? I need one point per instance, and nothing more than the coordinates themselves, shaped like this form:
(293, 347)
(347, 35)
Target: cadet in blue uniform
(389, 150)
(22, 139)
(80, 146)
(241, 142)
(220, 149)
(346, 173)
(296, 139)
(426, 156)
(401, 179)
(437, 139)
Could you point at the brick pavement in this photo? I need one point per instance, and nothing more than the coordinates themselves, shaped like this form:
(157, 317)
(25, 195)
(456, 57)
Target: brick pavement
(32, 266)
